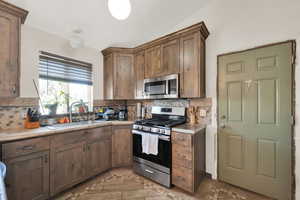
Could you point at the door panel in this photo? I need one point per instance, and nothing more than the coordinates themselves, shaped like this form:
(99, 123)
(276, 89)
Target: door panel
(255, 107)
(28, 177)
(124, 83)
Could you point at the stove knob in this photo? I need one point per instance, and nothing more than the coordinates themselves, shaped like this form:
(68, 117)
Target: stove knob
(162, 131)
(167, 132)
(155, 130)
(135, 126)
(145, 128)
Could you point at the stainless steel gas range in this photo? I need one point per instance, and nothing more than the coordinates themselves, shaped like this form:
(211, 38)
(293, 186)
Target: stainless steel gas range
(156, 167)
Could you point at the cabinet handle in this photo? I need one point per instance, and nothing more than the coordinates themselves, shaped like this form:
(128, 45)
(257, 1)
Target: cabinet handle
(84, 148)
(88, 147)
(46, 158)
(27, 148)
(147, 170)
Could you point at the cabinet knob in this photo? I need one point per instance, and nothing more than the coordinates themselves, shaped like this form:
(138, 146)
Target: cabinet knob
(14, 89)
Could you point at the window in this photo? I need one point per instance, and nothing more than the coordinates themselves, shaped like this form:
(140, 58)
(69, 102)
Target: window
(63, 81)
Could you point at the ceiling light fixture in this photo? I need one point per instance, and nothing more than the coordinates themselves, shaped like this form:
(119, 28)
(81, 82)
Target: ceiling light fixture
(119, 9)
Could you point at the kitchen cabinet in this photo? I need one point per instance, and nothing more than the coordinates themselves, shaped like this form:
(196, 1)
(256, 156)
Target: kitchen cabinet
(139, 70)
(181, 52)
(188, 160)
(170, 57)
(28, 177)
(119, 82)
(153, 67)
(42, 167)
(69, 166)
(11, 18)
(98, 151)
(124, 81)
(121, 146)
(192, 66)
(108, 82)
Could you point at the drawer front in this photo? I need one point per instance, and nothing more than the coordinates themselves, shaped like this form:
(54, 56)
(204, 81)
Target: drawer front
(68, 138)
(182, 178)
(183, 139)
(100, 133)
(182, 156)
(24, 147)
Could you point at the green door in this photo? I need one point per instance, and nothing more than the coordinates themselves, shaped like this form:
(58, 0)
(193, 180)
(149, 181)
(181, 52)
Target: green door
(254, 119)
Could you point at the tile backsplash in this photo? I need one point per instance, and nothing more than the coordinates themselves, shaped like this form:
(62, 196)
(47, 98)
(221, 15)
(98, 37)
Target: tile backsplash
(201, 104)
(12, 117)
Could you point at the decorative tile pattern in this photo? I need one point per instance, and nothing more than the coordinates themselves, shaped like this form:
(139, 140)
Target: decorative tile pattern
(123, 184)
(200, 104)
(12, 117)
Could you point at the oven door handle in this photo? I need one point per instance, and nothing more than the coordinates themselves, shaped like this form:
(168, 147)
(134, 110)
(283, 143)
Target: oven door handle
(161, 137)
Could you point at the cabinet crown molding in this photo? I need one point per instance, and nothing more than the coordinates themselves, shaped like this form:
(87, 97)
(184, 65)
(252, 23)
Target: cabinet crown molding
(7, 7)
(196, 27)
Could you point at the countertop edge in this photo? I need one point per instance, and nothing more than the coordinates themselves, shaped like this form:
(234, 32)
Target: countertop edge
(22, 134)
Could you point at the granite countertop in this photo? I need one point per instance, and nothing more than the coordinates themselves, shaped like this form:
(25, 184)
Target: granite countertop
(189, 128)
(20, 134)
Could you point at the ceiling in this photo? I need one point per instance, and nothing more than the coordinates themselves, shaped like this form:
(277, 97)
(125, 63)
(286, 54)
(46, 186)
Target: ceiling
(148, 20)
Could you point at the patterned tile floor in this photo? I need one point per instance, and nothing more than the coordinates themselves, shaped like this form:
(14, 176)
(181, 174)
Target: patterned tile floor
(123, 184)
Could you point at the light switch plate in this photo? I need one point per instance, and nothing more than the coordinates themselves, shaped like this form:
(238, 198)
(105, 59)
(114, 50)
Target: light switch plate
(202, 113)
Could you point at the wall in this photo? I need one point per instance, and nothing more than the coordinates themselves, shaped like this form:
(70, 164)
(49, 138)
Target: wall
(34, 40)
(237, 25)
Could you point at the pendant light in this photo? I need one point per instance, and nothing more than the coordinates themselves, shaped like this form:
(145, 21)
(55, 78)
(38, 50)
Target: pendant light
(119, 9)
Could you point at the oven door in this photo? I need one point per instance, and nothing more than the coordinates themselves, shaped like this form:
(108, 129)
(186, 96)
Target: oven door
(163, 157)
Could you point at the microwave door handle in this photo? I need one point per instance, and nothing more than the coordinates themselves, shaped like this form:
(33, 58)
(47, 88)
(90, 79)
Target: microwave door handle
(167, 87)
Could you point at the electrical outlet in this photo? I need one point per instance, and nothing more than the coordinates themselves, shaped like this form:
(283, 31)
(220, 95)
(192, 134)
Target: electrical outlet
(23, 115)
(202, 113)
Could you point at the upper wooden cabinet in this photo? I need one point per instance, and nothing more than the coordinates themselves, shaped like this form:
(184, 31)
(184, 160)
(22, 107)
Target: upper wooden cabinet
(182, 52)
(170, 57)
(11, 18)
(153, 67)
(139, 71)
(192, 66)
(118, 74)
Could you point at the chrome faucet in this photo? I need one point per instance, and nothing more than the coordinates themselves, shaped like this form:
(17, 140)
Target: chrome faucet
(71, 106)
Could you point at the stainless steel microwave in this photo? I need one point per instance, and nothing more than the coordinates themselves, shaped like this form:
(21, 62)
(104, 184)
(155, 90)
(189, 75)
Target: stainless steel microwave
(162, 87)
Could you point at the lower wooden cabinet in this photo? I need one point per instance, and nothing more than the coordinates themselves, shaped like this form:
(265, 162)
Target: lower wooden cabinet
(98, 151)
(68, 164)
(188, 160)
(28, 177)
(121, 146)
(40, 168)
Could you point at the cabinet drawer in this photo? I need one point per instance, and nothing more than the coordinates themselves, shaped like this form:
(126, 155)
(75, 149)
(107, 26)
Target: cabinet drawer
(24, 147)
(182, 156)
(183, 178)
(99, 133)
(182, 139)
(68, 138)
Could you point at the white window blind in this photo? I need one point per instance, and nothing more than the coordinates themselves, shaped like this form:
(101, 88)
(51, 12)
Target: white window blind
(59, 68)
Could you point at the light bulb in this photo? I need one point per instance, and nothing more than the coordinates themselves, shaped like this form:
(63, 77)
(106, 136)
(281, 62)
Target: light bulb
(119, 9)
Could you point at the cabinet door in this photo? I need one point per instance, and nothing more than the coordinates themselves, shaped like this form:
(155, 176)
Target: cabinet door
(170, 57)
(124, 81)
(190, 46)
(68, 164)
(108, 78)
(153, 62)
(28, 177)
(9, 54)
(121, 146)
(98, 156)
(139, 69)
